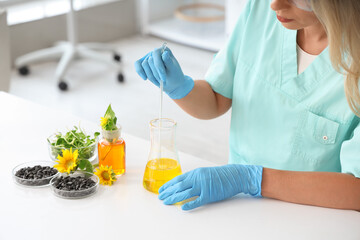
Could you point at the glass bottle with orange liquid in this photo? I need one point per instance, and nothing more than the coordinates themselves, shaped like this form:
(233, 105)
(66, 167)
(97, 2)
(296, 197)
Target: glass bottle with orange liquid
(111, 150)
(163, 161)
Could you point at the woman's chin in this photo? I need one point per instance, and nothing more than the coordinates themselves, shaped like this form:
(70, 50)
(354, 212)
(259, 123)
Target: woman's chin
(291, 26)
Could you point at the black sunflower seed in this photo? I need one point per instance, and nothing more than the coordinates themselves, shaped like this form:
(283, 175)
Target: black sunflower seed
(39, 175)
(74, 187)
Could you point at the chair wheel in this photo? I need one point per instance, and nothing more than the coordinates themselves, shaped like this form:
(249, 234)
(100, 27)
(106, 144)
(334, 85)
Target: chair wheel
(120, 77)
(23, 71)
(117, 57)
(63, 86)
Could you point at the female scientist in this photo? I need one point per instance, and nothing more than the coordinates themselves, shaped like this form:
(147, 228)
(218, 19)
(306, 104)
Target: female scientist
(290, 74)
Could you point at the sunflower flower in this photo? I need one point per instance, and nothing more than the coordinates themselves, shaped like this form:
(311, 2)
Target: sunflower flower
(108, 122)
(106, 175)
(103, 121)
(67, 162)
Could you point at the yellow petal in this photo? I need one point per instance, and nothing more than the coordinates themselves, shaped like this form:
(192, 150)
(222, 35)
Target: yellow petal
(103, 121)
(75, 155)
(66, 154)
(60, 158)
(59, 168)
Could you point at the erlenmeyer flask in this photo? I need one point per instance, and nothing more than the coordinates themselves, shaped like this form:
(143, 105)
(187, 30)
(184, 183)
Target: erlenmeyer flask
(163, 162)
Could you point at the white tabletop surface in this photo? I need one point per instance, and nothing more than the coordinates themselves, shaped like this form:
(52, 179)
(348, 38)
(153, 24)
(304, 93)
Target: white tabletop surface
(126, 210)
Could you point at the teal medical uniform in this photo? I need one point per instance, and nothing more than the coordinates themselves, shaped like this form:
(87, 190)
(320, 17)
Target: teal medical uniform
(280, 119)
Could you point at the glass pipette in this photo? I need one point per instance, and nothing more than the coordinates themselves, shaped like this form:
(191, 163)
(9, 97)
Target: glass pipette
(163, 47)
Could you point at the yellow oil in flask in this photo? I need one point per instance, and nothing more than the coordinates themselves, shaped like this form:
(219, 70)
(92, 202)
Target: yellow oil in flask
(160, 171)
(163, 161)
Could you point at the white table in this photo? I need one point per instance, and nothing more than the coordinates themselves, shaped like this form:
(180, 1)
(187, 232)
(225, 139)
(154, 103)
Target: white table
(126, 210)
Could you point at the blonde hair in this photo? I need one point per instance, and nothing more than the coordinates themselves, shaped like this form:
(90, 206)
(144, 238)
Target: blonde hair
(341, 20)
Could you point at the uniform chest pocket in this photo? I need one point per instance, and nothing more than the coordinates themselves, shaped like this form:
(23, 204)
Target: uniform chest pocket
(325, 130)
(316, 145)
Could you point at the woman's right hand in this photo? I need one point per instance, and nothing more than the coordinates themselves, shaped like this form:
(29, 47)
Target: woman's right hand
(162, 66)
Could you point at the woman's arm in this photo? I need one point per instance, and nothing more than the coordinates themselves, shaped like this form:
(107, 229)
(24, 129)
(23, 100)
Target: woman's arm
(195, 97)
(202, 102)
(324, 189)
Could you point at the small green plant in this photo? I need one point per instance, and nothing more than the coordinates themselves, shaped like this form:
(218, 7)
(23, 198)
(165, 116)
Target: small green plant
(108, 122)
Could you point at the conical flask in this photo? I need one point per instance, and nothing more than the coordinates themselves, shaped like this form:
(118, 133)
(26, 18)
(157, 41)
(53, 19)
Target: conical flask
(163, 161)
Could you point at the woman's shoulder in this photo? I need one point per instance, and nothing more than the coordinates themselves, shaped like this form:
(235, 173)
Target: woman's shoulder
(257, 35)
(257, 21)
(260, 12)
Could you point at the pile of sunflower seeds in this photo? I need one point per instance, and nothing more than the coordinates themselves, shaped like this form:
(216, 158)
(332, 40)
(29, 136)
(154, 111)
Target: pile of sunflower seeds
(73, 187)
(35, 176)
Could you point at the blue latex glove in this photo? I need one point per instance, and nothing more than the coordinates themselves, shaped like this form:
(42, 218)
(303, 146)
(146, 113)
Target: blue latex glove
(212, 184)
(157, 66)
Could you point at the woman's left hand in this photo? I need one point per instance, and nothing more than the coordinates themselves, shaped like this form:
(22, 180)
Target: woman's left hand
(212, 184)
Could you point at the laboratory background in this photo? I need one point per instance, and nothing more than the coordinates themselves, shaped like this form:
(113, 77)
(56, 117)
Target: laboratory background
(67, 66)
(84, 86)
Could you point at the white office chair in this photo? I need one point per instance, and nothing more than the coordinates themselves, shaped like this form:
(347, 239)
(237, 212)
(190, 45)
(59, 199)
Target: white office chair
(67, 51)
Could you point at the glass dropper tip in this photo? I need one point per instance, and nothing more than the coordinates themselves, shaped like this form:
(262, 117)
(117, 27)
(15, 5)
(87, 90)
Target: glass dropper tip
(163, 47)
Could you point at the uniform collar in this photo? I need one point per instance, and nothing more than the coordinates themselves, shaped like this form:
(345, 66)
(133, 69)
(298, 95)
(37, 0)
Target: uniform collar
(298, 86)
